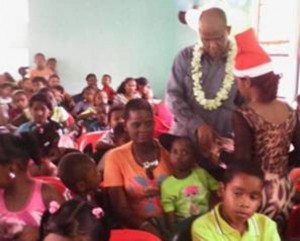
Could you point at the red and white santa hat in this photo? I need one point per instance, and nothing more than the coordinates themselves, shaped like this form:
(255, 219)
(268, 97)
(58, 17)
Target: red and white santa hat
(251, 60)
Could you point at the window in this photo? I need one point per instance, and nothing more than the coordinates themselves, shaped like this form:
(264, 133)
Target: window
(278, 33)
(14, 19)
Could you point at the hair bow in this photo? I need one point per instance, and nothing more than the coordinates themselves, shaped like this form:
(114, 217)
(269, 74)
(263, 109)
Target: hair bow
(53, 207)
(98, 212)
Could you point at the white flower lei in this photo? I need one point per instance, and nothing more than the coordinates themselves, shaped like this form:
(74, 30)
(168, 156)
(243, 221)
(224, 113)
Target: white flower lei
(222, 94)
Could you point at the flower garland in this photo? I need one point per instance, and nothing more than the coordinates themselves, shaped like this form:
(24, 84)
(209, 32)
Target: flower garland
(223, 93)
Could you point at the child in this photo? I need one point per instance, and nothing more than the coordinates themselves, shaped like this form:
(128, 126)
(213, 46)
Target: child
(59, 114)
(74, 220)
(6, 89)
(115, 116)
(126, 91)
(51, 64)
(19, 113)
(22, 199)
(120, 137)
(41, 70)
(100, 100)
(106, 83)
(187, 192)
(63, 99)
(88, 100)
(100, 124)
(41, 110)
(143, 87)
(38, 83)
(235, 218)
(78, 173)
(54, 80)
(26, 85)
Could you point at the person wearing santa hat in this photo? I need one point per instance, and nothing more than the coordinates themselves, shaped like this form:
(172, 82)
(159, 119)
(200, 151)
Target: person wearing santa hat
(265, 127)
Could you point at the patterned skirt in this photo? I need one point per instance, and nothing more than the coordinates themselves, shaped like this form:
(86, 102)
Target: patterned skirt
(277, 199)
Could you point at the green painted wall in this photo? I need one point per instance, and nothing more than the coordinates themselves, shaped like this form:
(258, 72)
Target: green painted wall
(122, 38)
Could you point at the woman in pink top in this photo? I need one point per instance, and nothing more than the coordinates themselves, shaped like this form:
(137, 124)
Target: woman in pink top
(22, 199)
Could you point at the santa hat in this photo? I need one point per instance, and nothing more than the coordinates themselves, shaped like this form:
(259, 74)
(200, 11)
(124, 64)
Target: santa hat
(251, 60)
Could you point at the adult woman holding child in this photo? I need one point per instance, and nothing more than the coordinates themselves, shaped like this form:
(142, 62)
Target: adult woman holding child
(265, 127)
(134, 172)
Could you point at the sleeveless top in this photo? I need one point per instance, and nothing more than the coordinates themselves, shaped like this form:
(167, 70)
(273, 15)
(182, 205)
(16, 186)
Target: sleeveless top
(14, 221)
(271, 141)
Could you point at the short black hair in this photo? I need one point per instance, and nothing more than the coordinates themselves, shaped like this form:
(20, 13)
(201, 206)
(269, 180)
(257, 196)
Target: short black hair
(6, 85)
(113, 109)
(58, 88)
(40, 97)
(135, 105)
(72, 169)
(106, 75)
(90, 75)
(88, 88)
(142, 81)
(40, 79)
(54, 76)
(39, 54)
(121, 88)
(52, 59)
(246, 167)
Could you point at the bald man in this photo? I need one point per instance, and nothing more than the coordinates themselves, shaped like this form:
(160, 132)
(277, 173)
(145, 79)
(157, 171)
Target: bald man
(196, 95)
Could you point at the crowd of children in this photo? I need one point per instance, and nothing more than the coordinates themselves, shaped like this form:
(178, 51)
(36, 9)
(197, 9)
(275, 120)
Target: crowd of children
(128, 178)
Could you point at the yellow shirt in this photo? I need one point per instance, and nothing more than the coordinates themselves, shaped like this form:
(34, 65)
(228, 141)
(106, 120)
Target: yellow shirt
(212, 227)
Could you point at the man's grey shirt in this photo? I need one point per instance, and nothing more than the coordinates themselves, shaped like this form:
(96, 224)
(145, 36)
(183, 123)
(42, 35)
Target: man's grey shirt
(188, 113)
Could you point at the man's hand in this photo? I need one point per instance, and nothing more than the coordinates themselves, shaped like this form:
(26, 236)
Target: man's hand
(207, 139)
(227, 144)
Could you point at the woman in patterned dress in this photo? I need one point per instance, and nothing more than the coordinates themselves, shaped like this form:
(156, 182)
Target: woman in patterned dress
(264, 130)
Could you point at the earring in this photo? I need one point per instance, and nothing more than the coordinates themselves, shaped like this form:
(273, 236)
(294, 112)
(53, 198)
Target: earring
(12, 175)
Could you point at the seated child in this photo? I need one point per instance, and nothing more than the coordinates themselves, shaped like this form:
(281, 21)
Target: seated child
(41, 109)
(22, 199)
(235, 218)
(100, 99)
(78, 173)
(100, 123)
(59, 114)
(54, 80)
(187, 192)
(63, 99)
(88, 100)
(120, 137)
(19, 112)
(143, 87)
(74, 220)
(115, 116)
(38, 83)
(106, 84)
(6, 89)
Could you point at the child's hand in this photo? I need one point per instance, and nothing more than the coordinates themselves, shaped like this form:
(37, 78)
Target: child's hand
(206, 138)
